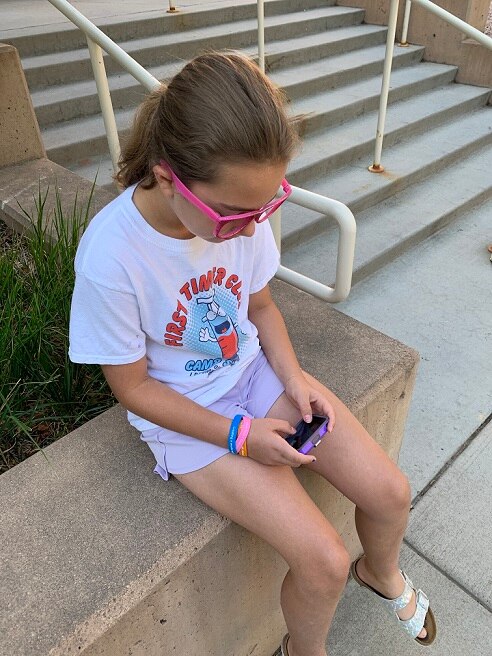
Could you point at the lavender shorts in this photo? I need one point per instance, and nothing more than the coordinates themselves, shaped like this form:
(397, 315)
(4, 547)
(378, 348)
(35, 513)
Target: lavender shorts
(253, 395)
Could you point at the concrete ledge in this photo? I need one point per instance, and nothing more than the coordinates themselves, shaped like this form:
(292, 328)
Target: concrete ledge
(101, 557)
(21, 184)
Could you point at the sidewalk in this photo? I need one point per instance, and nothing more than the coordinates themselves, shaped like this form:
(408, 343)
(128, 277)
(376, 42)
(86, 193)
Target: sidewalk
(20, 14)
(436, 298)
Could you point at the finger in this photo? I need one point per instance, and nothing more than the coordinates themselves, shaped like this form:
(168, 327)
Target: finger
(326, 409)
(283, 427)
(297, 459)
(331, 417)
(304, 406)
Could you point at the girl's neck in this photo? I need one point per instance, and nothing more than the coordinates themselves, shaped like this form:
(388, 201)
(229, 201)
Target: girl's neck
(156, 211)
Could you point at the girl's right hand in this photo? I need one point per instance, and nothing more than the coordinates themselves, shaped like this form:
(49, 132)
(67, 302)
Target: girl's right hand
(267, 445)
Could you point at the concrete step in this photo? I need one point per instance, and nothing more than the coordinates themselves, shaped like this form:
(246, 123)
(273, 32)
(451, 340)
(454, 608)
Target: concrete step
(70, 101)
(406, 163)
(69, 66)
(387, 230)
(337, 106)
(327, 151)
(64, 143)
(352, 140)
(47, 39)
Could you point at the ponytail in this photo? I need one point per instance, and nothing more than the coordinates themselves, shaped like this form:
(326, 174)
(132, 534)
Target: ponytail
(219, 109)
(134, 163)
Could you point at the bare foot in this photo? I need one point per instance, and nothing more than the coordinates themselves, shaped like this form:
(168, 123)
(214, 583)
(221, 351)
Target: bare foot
(391, 589)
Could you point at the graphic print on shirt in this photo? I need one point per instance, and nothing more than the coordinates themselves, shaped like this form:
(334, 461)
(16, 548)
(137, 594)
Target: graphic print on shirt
(222, 328)
(206, 322)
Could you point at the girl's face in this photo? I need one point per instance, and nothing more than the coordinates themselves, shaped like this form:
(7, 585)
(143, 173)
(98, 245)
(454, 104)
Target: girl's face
(243, 187)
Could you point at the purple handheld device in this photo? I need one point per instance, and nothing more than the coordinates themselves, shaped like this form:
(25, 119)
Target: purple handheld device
(307, 436)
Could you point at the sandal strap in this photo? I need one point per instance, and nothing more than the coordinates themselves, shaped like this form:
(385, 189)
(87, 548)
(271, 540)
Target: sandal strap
(404, 599)
(414, 625)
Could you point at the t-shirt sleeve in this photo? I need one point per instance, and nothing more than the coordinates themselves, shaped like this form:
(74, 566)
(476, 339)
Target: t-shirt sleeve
(266, 257)
(105, 325)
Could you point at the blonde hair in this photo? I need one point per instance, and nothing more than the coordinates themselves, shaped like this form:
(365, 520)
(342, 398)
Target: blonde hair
(220, 108)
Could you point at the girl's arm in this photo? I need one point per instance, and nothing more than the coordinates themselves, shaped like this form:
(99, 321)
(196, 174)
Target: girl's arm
(276, 344)
(160, 404)
(149, 398)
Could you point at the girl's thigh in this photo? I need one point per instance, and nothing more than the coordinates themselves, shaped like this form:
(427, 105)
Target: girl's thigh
(270, 502)
(350, 459)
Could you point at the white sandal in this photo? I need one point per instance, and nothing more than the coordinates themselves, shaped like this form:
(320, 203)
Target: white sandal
(423, 618)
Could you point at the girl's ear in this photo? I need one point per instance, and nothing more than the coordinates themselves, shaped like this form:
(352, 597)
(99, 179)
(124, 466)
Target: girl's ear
(164, 180)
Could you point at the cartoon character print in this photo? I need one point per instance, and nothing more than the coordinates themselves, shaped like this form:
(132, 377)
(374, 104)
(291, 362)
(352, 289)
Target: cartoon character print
(220, 329)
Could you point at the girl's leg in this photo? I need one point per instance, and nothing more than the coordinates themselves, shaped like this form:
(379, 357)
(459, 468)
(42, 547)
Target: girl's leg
(270, 502)
(359, 468)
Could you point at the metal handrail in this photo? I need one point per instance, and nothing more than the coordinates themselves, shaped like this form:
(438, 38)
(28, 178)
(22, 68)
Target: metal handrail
(453, 20)
(346, 246)
(450, 18)
(99, 41)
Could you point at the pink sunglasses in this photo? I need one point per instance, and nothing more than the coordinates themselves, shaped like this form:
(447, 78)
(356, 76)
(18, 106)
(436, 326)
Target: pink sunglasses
(228, 226)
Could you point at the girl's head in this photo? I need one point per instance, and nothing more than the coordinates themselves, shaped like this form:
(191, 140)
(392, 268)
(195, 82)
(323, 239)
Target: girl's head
(220, 109)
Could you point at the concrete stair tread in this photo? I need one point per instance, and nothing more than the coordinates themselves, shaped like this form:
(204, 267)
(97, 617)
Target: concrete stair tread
(89, 128)
(402, 117)
(341, 64)
(399, 222)
(133, 46)
(194, 13)
(351, 140)
(342, 98)
(405, 163)
(290, 78)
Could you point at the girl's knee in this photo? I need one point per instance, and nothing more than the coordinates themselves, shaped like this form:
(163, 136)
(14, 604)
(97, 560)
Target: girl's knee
(325, 567)
(401, 492)
(396, 494)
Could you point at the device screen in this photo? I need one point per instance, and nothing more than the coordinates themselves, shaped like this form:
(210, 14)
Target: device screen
(304, 432)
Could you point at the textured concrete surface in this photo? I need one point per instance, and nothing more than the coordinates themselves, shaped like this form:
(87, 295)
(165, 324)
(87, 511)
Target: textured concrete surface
(21, 139)
(19, 14)
(81, 524)
(436, 298)
(21, 185)
(399, 222)
(451, 525)
(362, 628)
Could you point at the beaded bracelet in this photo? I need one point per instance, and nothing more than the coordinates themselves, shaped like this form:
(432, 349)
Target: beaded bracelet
(233, 433)
(243, 434)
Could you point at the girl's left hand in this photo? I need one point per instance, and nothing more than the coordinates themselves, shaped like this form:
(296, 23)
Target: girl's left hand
(308, 399)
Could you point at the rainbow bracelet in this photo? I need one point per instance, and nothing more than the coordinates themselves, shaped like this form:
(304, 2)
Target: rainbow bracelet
(233, 433)
(243, 433)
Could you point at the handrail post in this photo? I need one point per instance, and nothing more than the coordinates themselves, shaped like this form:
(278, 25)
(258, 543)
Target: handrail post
(261, 34)
(103, 92)
(406, 19)
(383, 101)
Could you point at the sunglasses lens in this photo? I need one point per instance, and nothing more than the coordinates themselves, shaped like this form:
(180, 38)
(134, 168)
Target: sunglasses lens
(231, 228)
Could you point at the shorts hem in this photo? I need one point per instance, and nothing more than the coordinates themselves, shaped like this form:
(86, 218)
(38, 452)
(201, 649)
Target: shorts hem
(195, 467)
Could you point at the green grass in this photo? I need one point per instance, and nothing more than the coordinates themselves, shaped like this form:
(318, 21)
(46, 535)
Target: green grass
(43, 395)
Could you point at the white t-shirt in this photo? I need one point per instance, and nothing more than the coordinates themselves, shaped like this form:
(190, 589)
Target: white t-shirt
(183, 303)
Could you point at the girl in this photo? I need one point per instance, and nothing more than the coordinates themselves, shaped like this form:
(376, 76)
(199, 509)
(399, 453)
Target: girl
(172, 299)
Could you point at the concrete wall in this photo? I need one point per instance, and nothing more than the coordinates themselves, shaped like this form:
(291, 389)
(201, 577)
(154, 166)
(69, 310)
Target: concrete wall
(443, 43)
(20, 137)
